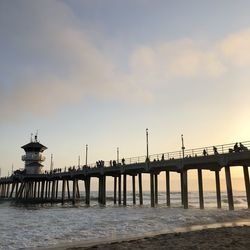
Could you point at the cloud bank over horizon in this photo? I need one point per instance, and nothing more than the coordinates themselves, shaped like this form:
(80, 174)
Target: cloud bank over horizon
(50, 61)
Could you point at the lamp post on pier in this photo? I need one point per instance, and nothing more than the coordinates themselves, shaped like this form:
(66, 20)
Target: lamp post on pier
(86, 160)
(117, 154)
(147, 143)
(183, 148)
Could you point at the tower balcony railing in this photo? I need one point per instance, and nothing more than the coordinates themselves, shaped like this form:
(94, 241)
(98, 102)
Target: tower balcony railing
(33, 158)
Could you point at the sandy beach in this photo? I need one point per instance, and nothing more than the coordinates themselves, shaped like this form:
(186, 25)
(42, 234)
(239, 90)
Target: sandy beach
(237, 237)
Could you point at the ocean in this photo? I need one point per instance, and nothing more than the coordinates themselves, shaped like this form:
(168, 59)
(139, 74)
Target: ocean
(33, 226)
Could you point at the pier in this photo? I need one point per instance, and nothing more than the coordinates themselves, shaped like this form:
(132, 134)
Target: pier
(45, 187)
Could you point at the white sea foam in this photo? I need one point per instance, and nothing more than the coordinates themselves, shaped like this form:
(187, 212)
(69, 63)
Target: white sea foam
(33, 226)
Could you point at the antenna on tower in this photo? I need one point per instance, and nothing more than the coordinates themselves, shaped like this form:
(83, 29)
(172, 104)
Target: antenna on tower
(36, 136)
(31, 137)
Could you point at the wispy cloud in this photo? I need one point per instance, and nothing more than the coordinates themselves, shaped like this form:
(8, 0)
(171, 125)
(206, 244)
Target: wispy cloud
(55, 62)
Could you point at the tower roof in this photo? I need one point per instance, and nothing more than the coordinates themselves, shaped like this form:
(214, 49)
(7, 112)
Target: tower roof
(34, 146)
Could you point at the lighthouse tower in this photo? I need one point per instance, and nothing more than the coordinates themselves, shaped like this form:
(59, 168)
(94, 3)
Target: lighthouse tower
(33, 158)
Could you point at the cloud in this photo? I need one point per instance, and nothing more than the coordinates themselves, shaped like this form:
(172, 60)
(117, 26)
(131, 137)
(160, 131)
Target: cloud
(235, 48)
(48, 60)
(176, 59)
(54, 61)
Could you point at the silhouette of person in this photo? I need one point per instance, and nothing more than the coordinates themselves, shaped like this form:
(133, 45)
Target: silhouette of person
(215, 150)
(205, 152)
(123, 161)
(242, 147)
(236, 147)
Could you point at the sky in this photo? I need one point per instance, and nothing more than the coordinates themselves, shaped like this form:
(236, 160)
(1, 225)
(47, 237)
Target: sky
(101, 72)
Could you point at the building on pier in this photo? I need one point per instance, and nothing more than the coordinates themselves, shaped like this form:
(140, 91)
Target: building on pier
(33, 157)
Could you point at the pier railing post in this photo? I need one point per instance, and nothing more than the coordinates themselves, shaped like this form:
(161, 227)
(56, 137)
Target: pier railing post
(229, 188)
(246, 178)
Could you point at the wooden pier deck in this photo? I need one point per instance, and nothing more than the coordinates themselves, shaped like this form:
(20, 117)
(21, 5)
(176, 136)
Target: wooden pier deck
(45, 187)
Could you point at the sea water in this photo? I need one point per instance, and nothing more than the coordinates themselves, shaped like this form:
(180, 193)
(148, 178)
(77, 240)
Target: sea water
(32, 226)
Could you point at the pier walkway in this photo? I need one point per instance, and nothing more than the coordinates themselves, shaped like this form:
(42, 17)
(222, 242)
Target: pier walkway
(45, 187)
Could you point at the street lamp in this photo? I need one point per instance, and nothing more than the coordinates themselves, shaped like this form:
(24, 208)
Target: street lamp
(147, 142)
(86, 162)
(183, 148)
(117, 153)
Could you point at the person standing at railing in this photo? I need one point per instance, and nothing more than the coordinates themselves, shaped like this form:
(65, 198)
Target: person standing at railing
(215, 150)
(236, 147)
(162, 157)
(123, 161)
(205, 152)
(242, 147)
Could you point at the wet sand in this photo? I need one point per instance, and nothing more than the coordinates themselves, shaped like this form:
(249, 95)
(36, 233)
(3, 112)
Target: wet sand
(237, 237)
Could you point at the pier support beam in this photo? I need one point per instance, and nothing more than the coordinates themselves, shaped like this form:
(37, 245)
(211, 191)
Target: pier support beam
(42, 191)
(185, 188)
(63, 191)
(39, 190)
(168, 188)
(133, 189)
(74, 192)
(115, 189)
(182, 191)
(12, 189)
(229, 188)
(247, 185)
(140, 188)
(152, 191)
(124, 189)
(156, 189)
(35, 190)
(46, 189)
(218, 192)
(102, 189)
(77, 190)
(57, 188)
(16, 191)
(119, 189)
(49, 192)
(200, 184)
(87, 190)
(8, 189)
(68, 189)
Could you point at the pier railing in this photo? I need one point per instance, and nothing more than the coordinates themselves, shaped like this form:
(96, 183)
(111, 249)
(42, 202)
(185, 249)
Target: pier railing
(188, 153)
(195, 152)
